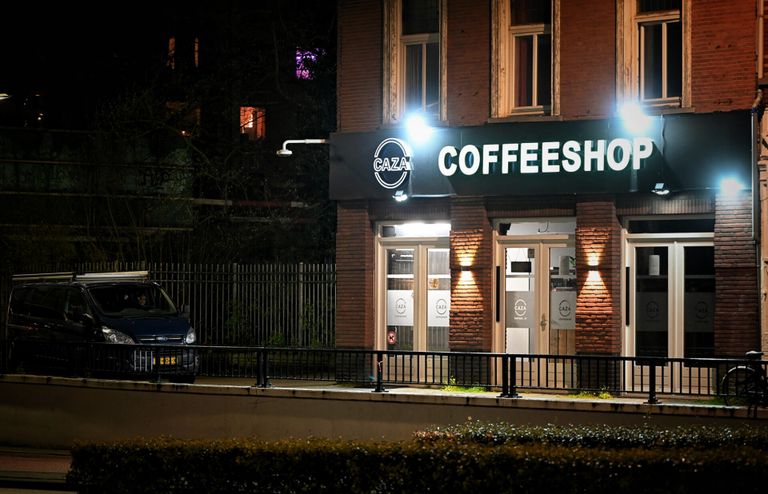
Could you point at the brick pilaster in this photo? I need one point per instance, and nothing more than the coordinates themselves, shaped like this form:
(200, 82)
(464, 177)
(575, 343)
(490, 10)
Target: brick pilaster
(471, 290)
(737, 297)
(354, 276)
(598, 268)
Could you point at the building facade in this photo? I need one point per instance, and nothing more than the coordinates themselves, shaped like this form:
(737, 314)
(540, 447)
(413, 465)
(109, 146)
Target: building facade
(582, 176)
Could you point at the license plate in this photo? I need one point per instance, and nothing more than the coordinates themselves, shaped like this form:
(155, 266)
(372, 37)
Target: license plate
(165, 361)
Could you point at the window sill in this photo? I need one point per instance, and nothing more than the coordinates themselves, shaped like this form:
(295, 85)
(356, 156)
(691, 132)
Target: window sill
(529, 117)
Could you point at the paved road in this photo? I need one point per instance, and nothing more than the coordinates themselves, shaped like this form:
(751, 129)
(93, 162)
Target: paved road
(32, 471)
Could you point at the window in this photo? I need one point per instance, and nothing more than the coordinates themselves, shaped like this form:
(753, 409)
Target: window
(523, 57)
(414, 69)
(654, 65)
(171, 59)
(253, 122)
(306, 63)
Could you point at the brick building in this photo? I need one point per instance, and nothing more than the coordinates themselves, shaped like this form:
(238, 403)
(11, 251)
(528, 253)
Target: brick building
(580, 180)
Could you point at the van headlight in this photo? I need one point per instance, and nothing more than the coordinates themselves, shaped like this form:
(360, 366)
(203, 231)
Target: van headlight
(190, 338)
(115, 336)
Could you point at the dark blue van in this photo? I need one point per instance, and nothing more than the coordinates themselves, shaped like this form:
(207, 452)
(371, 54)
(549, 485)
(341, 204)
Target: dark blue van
(119, 323)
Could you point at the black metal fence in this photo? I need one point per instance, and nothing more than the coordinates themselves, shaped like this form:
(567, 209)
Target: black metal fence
(506, 373)
(236, 304)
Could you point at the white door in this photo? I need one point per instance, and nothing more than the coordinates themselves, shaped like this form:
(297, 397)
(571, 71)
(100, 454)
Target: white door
(671, 306)
(415, 285)
(536, 312)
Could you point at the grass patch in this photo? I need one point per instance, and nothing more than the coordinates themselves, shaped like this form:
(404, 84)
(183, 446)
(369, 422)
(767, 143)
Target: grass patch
(452, 386)
(603, 394)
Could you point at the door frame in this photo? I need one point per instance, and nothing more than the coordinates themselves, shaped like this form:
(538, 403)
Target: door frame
(421, 246)
(675, 285)
(541, 243)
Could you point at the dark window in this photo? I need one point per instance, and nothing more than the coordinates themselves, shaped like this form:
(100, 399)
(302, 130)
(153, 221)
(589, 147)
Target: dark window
(671, 226)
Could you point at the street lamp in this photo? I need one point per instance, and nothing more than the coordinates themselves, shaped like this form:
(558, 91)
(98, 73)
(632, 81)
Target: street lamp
(285, 152)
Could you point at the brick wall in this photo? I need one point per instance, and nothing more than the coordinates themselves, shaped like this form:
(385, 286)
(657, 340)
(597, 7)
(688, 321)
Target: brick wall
(471, 291)
(587, 58)
(469, 42)
(598, 306)
(723, 44)
(354, 276)
(736, 305)
(360, 65)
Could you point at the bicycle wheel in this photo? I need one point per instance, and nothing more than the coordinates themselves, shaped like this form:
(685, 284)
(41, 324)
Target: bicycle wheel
(740, 386)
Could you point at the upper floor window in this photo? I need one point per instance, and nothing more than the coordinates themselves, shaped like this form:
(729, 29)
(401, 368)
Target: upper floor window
(523, 57)
(253, 122)
(653, 68)
(171, 59)
(414, 67)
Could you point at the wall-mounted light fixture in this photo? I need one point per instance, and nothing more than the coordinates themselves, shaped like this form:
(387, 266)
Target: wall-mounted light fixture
(285, 152)
(400, 196)
(660, 189)
(730, 186)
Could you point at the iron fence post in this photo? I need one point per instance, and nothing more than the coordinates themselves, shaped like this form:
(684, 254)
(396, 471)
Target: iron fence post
(652, 400)
(379, 373)
(263, 358)
(504, 377)
(513, 380)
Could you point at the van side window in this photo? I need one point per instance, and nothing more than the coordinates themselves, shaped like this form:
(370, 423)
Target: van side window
(46, 302)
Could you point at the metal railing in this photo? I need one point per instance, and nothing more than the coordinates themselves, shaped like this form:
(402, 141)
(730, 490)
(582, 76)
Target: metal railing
(237, 304)
(507, 373)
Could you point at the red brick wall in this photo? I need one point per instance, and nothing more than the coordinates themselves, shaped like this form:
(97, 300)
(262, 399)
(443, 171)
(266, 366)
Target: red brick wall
(468, 70)
(587, 58)
(354, 276)
(737, 300)
(598, 306)
(723, 46)
(471, 291)
(360, 65)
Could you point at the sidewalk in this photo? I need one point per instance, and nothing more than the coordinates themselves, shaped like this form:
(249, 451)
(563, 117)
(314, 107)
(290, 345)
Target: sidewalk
(32, 470)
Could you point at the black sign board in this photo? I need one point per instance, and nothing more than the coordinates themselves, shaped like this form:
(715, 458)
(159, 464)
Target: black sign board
(685, 151)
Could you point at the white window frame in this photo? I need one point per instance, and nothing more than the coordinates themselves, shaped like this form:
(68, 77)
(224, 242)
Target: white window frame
(503, 65)
(394, 61)
(630, 69)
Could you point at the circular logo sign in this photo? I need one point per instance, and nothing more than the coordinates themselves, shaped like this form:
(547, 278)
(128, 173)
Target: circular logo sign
(652, 310)
(702, 310)
(520, 307)
(392, 163)
(400, 306)
(441, 306)
(564, 308)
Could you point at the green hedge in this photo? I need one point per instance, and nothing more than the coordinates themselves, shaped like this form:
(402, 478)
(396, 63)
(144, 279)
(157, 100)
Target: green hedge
(601, 436)
(434, 464)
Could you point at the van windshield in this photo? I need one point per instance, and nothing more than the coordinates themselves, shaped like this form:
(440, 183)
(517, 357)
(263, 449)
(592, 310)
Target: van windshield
(127, 300)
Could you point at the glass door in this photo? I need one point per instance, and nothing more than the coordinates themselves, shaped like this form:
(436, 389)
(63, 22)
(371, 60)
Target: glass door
(538, 308)
(671, 306)
(416, 299)
(418, 292)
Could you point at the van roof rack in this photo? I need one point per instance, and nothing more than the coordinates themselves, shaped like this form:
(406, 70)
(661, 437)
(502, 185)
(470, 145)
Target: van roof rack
(114, 276)
(59, 276)
(85, 277)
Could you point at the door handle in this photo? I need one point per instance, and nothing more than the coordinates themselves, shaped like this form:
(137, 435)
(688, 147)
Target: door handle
(543, 322)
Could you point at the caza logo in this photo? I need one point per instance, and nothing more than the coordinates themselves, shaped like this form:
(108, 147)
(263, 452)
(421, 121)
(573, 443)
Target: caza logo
(392, 163)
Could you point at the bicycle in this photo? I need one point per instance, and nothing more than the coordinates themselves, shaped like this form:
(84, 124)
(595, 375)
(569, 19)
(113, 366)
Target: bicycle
(746, 384)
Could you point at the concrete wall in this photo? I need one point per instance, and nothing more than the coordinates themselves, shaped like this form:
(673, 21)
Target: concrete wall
(57, 412)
